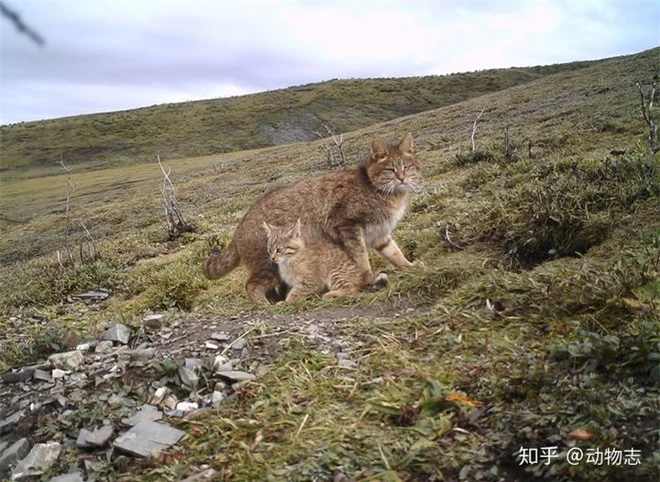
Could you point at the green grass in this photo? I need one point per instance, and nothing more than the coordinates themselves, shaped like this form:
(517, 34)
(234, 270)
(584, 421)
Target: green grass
(537, 312)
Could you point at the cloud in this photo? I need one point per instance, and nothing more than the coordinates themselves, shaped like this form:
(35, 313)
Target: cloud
(112, 55)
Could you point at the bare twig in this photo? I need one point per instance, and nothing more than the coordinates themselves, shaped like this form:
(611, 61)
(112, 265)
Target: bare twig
(652, 145)
(474, 129)
(14, 18)
(448, 238)
(70, 185)
(334, 153)
(175, 222)
(91, 241)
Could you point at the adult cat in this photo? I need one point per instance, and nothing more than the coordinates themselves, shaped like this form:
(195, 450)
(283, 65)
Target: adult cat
(354, 208)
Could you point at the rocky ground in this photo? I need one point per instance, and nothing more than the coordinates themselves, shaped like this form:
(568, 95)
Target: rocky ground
(105, 403)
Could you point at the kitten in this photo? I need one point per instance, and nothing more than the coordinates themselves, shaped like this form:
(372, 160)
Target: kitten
(314, 268)
(354, 209)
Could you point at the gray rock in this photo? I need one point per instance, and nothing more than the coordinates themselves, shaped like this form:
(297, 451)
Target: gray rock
(211, 346)
(217, 398)
(81, 441)
(72, 477)
(85, 346)
(185, 407)
(69, 360)
(40, 459)
(42, 375)
(101, 436)
(147, 439)
(8, 423)
(153, 322)
(13, 454)
(92, 296)
(188, 377)
(220, 336)
(346, 363)
(3, 445)
(119, 332)
(103, 347)
(159, 395)
(239, 344)
(57, 373)
(236, 375)
(141, 354)
(193, 363)
(20, 376)
(147, 413)
(207, 474)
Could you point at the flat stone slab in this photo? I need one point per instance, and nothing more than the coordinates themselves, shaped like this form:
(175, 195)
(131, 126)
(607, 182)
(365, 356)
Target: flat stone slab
(40, 459)
(13, 454)
(147, 413)
(119, 332)
(20, 376)
(81, 441)
(101, 436)
(92, 296)
(236, 375)
(8, 423)
(73, 477)
(148, 439)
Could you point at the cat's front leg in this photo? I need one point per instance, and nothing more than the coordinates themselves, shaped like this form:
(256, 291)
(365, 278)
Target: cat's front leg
(391, 252)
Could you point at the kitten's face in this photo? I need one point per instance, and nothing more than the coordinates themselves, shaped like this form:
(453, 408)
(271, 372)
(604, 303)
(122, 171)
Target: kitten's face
(393, 169)
(282, 242)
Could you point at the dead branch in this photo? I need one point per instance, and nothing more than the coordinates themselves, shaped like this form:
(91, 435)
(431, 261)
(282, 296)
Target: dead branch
(652, 143)
(70, 185)
(333, 153)
(474, 129)
(91, 242)
(448, 238)
(14, 18)
(174, 220)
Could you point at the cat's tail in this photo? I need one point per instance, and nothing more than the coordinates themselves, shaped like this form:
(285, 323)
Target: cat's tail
(219, 263)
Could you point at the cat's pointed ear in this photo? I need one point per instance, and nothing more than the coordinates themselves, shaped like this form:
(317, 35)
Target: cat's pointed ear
(378, 149)
(295, 231)
(266, 227)
(406, 145)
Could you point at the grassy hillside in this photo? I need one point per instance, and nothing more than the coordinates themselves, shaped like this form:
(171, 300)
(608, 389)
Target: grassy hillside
(535, 321)
(246, 122)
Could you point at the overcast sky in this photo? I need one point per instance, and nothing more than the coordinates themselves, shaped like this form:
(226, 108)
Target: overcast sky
(104, 56)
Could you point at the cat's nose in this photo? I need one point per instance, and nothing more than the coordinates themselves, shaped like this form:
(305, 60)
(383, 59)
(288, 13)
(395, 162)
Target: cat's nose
(400, 176)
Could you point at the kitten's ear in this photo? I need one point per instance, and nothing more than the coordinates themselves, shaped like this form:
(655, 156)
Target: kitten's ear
(295, 231)
(266, 227)
(378, 149)
(406, 145)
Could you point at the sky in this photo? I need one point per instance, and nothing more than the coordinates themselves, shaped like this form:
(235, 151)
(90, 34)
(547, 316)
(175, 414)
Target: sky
(102, 56)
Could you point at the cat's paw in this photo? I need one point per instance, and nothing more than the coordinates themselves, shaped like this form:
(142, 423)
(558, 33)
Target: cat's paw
(280, 303)
(380, 281)
(418, 263)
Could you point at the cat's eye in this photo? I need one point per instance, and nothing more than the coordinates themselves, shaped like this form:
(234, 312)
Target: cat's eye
(389, 169)
(408, 167)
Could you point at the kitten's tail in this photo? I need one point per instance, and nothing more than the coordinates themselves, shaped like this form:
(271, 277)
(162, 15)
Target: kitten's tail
(219, 263)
